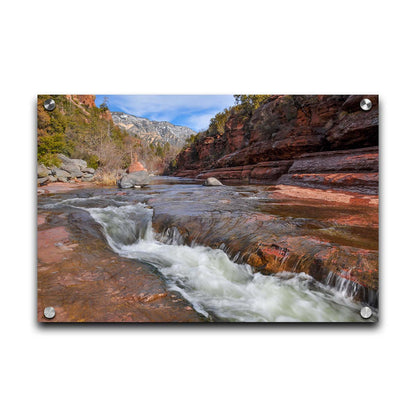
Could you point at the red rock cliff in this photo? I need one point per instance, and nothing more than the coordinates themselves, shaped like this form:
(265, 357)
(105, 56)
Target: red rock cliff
(319, 141)
(89, 102)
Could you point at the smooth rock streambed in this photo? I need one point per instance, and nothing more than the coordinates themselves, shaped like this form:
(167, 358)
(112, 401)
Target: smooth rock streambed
(234, 253)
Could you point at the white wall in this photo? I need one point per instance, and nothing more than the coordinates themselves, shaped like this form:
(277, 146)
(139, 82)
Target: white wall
(110, 47)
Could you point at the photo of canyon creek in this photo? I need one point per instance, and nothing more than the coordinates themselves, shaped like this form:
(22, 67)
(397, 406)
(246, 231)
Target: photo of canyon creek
(207, 208)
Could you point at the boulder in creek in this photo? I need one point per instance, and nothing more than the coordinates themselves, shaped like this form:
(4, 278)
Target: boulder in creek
(134, 179)
(212, 182)
(43, 171)
(52, 178)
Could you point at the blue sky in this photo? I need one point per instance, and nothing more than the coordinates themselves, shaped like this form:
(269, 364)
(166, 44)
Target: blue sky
(193, 111)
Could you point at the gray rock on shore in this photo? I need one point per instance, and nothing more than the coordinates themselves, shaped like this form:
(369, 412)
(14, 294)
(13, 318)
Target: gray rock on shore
(77, 162)
(134, 180)
(72, 166)
(61, 174)
(212, 182)
(69, 171)
(42, 181)
(43, 171)
(90, 171)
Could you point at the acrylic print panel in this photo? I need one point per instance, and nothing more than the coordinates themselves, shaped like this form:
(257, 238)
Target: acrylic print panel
(245, 208)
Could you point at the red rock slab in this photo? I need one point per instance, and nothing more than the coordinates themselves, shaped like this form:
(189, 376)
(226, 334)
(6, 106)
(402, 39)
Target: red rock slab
(187, 173)
(269, 171)
(366, 183)
(53, 244)
(41, 219)
(264, 172)
(86, 282)
(355, 160)
(368, 217)
(329, 195)
(318, 258)
(230, 173)
(59, 187)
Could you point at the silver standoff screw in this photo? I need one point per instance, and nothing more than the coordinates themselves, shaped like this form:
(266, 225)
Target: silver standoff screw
(49, 312)
(366, 312)
(49, 104)
(366, 104)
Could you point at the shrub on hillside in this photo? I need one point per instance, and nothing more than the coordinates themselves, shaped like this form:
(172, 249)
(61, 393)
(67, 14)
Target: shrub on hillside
(246, 104)
(217, 123)
(49, 160)
(54, 143)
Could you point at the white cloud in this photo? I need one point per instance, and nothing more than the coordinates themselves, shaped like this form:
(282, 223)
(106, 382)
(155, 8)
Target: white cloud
(195, 110)
(199, 122)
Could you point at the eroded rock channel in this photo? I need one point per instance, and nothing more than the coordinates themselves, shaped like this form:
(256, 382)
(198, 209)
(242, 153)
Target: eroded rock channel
(179, 251)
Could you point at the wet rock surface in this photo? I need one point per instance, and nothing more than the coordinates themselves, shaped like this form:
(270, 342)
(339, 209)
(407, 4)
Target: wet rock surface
(329, 235)
(332, 236)
(85, 281)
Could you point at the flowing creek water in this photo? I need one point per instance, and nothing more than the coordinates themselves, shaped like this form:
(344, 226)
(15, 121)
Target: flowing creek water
(219, 286)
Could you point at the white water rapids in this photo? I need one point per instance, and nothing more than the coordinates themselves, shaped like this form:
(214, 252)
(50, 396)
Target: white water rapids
(215, 285)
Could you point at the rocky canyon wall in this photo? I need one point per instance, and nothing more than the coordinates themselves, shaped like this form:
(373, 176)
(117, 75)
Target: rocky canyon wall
(318, 141)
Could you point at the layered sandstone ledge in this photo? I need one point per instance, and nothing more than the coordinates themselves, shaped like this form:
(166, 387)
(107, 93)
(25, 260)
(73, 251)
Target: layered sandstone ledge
(325, 142)
(337, 244)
